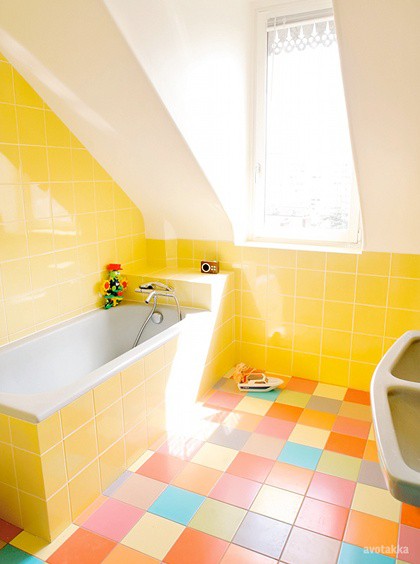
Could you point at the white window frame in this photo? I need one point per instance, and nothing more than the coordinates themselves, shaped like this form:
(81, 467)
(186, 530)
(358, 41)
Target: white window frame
(288, 9)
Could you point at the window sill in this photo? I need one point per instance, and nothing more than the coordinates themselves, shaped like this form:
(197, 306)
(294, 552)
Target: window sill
(350, 248)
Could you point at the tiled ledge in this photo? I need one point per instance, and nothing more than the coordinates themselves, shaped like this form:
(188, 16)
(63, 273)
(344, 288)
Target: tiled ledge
(193, 288)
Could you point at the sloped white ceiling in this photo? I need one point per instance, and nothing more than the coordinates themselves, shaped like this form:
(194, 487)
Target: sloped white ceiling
(159, 91)
(75, 57)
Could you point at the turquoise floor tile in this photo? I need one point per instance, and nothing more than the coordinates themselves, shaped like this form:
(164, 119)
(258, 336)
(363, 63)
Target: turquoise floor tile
(177, 505)
(270, 396)
(300, 455)
(11, 555)
(351, 554)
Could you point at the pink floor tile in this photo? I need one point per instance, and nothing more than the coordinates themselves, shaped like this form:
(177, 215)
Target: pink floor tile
(323, 518)
(223, 400)
(332, 489)
(113, 519)
(251, 467)
(235, 491)
(162, 467)
(409, 544)
(275, 427)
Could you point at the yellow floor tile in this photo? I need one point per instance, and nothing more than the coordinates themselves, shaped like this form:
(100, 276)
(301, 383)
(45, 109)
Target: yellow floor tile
(376, 501)
(215, 456)
(253, 405)
(153, 535)
(330, 391)
(290, 397)
(309, 436)
(39, 547)
(278, 504)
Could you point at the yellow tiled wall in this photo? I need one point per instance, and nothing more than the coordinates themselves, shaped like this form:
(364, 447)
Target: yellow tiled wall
(324, 316)
(51, 471)
(62, 218)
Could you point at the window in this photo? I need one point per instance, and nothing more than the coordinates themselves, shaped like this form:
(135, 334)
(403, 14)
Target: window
(305, 190)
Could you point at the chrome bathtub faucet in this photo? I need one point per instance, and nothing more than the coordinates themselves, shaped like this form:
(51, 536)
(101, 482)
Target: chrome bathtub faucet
(154, 291)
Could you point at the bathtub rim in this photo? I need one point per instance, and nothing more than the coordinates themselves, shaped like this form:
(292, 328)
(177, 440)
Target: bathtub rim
(31, 407)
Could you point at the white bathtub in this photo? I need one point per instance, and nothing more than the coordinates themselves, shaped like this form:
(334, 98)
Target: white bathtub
(44, 372)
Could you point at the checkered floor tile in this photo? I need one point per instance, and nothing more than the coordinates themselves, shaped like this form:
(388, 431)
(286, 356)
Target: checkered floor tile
(290, 477)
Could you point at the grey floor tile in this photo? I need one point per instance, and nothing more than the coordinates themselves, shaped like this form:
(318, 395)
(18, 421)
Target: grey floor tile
(228, 437)
(262, 534)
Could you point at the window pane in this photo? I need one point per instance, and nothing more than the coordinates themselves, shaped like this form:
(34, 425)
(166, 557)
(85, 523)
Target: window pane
(309, 175)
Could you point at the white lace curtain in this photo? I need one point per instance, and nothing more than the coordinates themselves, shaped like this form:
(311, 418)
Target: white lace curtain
(288, 37)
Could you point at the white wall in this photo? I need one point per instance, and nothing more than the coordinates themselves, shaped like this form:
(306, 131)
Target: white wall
(74, 56)
(380, 51)
(196, 55)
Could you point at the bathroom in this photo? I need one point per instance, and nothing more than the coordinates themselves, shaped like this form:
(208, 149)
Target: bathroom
(209, 281)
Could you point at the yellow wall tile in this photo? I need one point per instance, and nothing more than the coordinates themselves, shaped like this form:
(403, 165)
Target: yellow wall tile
(309, 312)
(340, 287)
(407, 266)
(279, 257)
(25, 95)
(39, 151)
(305, 365)
(253, 330)
(366, 348)
(308, 259)
(31, 126)
(341, 262)
(398, 321)
(369, 319)
(307, 339)
(374, 263)
(279, 361)
(336, 343)
(8, 124)
(371, 290)
(334, 371)
(404, 293)
(361, 375)
(310, 283)
(6, 83)
(282, 281)
(5, 436)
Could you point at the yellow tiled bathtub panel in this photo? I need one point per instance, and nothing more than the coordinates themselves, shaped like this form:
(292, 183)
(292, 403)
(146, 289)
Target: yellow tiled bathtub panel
(51, 471)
